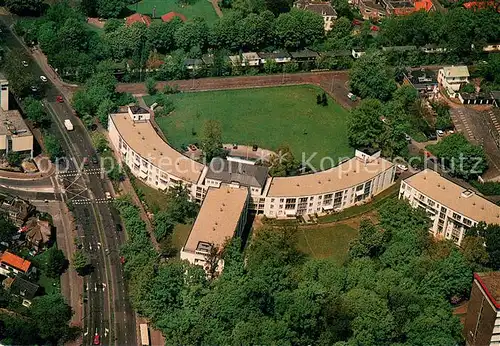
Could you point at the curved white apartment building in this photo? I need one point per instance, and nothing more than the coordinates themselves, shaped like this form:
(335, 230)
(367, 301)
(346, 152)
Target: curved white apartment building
(151, 159)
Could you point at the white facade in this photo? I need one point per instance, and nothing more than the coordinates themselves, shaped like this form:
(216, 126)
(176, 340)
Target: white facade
(452, 78)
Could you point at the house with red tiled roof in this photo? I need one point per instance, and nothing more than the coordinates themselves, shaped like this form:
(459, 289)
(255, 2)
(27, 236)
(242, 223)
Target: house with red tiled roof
(138, 18)
(171, 15)
(13, 264)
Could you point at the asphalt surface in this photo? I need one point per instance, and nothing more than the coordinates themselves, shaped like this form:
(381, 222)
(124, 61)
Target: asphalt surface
(106, 309)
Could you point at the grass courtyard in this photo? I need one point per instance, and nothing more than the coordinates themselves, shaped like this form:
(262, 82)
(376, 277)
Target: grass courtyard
(328, 241)
(268, 117)
(201, 8)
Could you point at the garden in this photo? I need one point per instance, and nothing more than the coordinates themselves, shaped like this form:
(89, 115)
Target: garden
(190, 9)
(266, 117)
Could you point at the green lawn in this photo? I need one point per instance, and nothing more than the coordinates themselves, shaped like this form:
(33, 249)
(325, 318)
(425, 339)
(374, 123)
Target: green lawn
(50, 285)
(268, 117)
(155, 200)
(325, 242)
(180, 235)
(201, 8)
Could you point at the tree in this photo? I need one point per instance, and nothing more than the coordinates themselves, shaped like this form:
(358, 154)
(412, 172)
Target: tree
(468, 88)
(51, 315)
(36, 112)
(324, 100)
(106, 107)
(53, 147)
(192, 33)
(298, 29)
(164, 225)
(7, 230)
(460, 157)
(99, 142)
(179, 208)
(211, 141)
(474, 252)
(282, 163)
(370, 243)
(80, 262)
(490, 236)
(110, 8)
(371, 77)
(24, 7)
(56, 262)
(14, 158)
(365, 127)
(151, 86)
(20, 80)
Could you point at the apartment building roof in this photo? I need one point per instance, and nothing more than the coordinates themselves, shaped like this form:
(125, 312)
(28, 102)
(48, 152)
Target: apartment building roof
(349, 173)
(238, 172)
(15, 261)
(12, 123)
(143, 139)
(454, 196)
(456, 71)
(490, 282)
(218, 218)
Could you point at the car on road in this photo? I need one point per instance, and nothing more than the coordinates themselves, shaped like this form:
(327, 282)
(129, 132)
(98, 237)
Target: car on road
(25, 63)
(432, 137)
(43, 79)
(97, 339)
(402, 167)
(440, 133)
(108, 195)
(59, 99)
(85, 161)
(94, 159)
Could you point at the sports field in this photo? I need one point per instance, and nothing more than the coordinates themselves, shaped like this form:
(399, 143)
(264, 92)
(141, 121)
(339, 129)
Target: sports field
(267, 117)
(201, 8)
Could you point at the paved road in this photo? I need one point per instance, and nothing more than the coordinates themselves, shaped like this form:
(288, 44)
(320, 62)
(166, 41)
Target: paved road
(107, 310)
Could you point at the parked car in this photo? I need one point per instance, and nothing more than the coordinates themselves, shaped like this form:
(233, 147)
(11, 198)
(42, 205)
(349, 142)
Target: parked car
(402, 167)
(25, 63)
(97, 339)
(351, 97)
(440, 133)
(85, 161)
(108, 195)
(432, 137)
(408, 138)
(94, 159)
(34, 88)
(43, 79)
(59, 99)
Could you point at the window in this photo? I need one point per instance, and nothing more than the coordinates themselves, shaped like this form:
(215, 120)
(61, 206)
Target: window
(337, 202)
(328, 199)
(457, 217)
(272, 200)
(430, 202)
(467, 222)
(290, 203)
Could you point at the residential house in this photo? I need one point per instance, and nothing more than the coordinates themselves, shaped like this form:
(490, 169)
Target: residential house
(323, 8)
(15, 209)
(138, 18)
(423, 80)
(371, 9)
(193, 64)
(398, 7)
(279, 57)
(451, 78)
(37, 233)
(171, 15)
(11, 265)
(222, 216)
(481, 5)
(245, 59)
(482, 322)
(21, 287)
(452, 208)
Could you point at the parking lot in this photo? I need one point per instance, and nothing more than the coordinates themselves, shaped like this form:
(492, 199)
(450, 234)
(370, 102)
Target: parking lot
(481, 126)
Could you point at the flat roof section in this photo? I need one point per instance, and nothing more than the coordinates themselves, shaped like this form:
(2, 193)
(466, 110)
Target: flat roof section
(143, 139)
(454, 196)
(218, 217)
(348, 174)
(12, 124)
(241, 173)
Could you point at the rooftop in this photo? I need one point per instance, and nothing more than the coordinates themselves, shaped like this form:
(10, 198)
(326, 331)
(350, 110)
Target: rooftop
(274, 55)
(15, 261)
(446, 192)
(218, 218)
(138, 18)
(321, 8)
(456, 71)
(422, 76)
(11, 123)
(138, 110)
(350, 173)
(23, 287)
(171, 15)
(490, 282)
(306, 53)
(143, 139)
(233, 171)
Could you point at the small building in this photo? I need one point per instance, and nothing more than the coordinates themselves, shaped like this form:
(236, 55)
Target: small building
(245, 59)
(479, 98)
(38, 233)
(451, 78)
(138, 113)
(336, 54)
(304, 55)
(12, 265)
(482, 322)
(24, 289)
(138, 18)
(15, 135)
(323, 8)
(17, 210)
(167, 17)
(423, 80)
(279, 57)
(222, 216)
(398, 7)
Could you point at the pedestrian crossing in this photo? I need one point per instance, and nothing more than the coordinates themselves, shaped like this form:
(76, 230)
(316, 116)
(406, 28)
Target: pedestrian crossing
(461, 124)
(90, 201)
(494, 120)
(72, 173)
